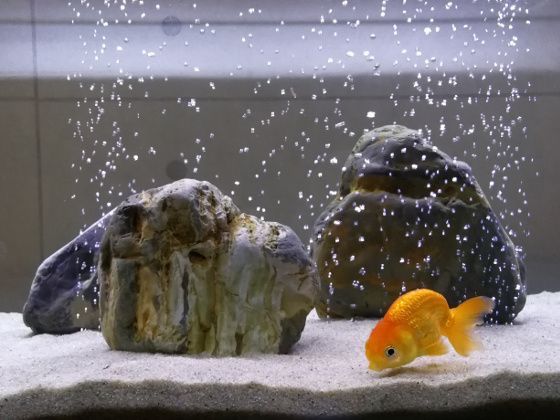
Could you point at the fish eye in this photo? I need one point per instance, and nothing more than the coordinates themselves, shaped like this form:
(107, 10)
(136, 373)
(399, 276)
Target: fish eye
(390, 352)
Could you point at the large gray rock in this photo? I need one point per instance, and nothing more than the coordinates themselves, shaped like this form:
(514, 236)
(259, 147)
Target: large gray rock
(408, 216)
(183, 271)
(64, 293)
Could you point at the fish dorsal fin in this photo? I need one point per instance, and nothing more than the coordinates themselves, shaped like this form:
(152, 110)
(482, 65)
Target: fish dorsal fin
(436, 349)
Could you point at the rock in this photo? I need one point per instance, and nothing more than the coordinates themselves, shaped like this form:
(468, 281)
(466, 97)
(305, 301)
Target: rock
(64, 293)
(183, 271)
(408, 216)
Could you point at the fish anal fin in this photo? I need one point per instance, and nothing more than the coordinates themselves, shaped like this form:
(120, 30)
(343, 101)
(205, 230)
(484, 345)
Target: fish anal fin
(436, 349)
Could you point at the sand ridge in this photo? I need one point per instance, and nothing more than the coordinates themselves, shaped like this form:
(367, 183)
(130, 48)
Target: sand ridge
(325, 373)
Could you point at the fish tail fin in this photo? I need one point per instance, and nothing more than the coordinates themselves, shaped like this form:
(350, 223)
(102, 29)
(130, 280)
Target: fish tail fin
(462, 320)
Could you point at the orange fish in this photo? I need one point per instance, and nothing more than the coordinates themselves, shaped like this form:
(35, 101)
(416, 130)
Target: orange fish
(415, 323)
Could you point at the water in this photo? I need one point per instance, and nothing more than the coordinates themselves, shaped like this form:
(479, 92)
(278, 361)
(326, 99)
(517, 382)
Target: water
(102, 99)
(267, 101)
(271, 86)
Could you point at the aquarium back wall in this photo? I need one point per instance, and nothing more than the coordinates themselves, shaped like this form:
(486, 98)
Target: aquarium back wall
(197, 98)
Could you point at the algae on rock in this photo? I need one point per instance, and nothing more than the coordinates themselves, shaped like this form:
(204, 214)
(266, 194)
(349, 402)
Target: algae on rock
(408, 216)
(183, 271)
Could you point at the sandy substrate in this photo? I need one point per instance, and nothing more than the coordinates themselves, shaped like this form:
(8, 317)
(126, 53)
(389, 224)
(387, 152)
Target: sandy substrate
(326, 374)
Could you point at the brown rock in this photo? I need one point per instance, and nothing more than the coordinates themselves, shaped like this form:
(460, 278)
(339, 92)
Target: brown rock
(408, 216)
(183, 271)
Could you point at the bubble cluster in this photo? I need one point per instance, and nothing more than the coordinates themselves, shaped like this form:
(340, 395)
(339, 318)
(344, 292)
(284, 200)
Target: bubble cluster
(278, 98)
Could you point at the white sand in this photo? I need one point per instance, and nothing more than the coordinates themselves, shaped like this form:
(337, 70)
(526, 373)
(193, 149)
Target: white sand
(325, 374)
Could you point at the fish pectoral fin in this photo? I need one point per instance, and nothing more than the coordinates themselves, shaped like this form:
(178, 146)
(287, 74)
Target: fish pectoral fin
(436, 349)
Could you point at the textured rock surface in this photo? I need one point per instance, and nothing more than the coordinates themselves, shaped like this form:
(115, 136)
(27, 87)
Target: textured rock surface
(182, 270)
(325, 374)
(408, 216)
(64, 293)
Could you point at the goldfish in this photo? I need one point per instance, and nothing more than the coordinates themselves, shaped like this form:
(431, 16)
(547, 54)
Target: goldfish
(415, 324)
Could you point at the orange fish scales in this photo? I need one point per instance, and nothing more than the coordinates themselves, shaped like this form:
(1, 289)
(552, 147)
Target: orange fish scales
(419, 305)
(424, 311)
